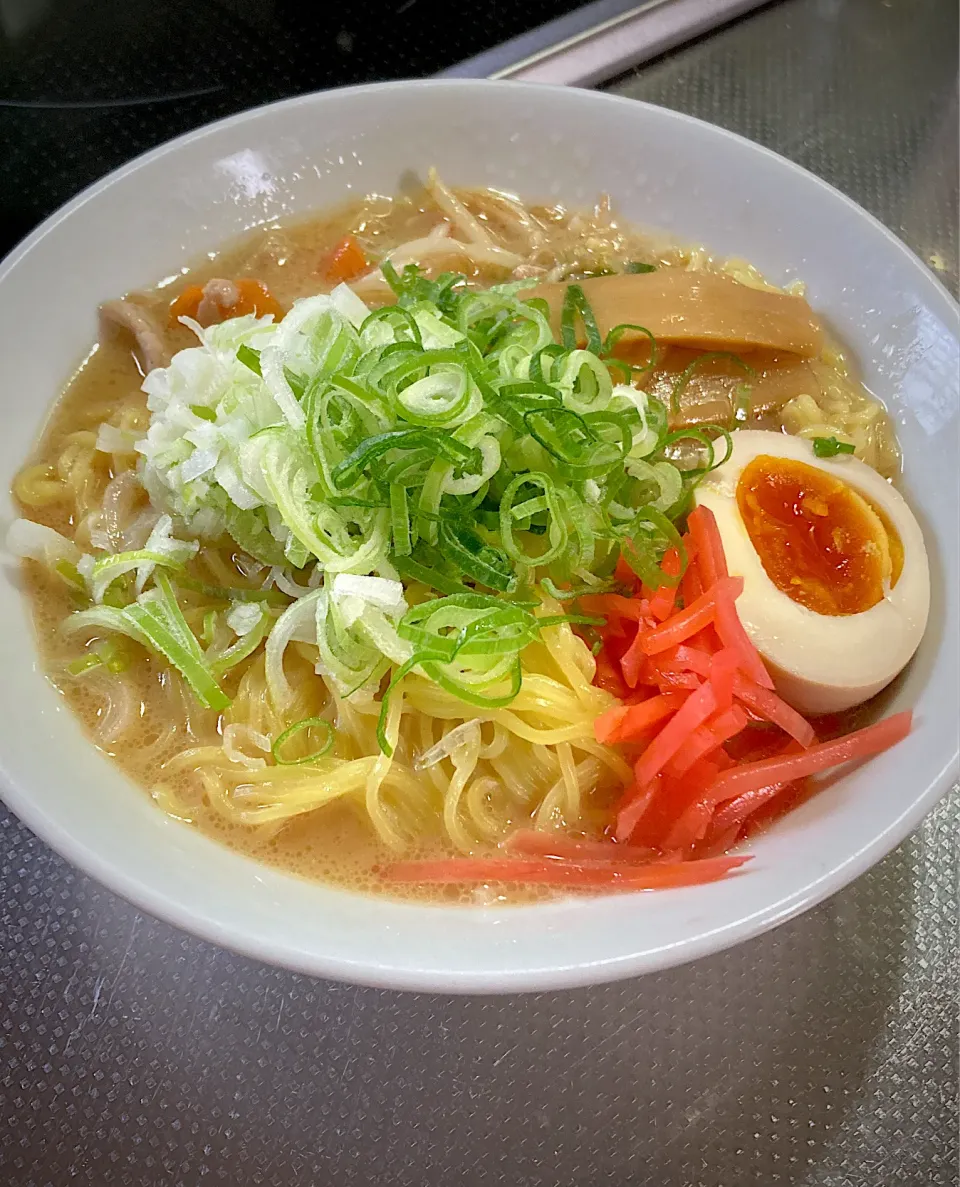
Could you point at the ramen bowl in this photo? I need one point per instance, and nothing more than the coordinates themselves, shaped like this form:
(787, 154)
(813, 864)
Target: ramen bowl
(664, 171)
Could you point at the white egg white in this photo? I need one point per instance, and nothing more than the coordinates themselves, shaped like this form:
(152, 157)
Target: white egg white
(822, 663)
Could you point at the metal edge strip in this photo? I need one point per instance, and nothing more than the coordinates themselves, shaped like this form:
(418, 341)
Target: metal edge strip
(527, 46)
(612, 44)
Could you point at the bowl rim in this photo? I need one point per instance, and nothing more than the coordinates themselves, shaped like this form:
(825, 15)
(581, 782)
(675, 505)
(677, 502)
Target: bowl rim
(319, 964)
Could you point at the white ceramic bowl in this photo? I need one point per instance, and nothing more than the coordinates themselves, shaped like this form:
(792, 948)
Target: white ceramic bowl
(663, 170)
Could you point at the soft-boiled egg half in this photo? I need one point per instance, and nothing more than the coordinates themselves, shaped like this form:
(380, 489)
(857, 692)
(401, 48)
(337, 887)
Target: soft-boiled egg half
(836, 585)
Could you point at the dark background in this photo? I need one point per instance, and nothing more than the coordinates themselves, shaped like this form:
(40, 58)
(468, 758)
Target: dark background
(87, 84)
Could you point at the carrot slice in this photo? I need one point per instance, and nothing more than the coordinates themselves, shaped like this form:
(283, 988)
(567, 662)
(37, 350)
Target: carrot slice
(665, 598)
(543, 844)
(624, 574)
(608, 724)
(345, 262)
(668, 680)
(707, 737)
(187, 303)
(608, 675)
(785, 769)
(732, 635)
(664, 668)
(673, 800)
(722, 673)
(615, 606)
(632, 661)
(690, 825)
(734, 812)
(790, 796)
(633, 807)
(681, 626)
(252, 297)
(694, 618)
(715, 843)
(693, 658)
(624, 723)
(550, 872)
(773, 709)
(691, 586)
(711, 560)
(695, 710)
(256, 298)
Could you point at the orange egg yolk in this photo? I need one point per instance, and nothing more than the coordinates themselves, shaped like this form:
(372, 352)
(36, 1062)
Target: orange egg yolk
(820, 542)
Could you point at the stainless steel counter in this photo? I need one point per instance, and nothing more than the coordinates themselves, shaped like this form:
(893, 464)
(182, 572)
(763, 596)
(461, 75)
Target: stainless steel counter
(823, 1054)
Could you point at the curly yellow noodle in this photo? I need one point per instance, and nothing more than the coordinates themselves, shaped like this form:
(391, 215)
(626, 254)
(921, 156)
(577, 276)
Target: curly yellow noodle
(427, 739)
(218, 568)
(379, 817)
(481, 797)
(39, 486)
(83, 471)
(168, 801)
(497, 744)
(464, 761)
(570, 781)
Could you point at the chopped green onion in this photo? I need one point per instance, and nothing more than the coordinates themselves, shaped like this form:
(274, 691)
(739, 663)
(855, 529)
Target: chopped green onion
(709, 357)
(107, 569)
(482, 698)
(297, 382)
(701, 434)
(84, 664)
(291, 731)
(638, 267)
(70, 574)
(250, 530)
(447, 438)
(232, 593)
(831, 447)
(742, 405)
(414, 571)
(161, 622)
(576, 591)
(575, 302)
(102, 654)
(209, 629)
(440, 444)
(571, 619)
(650, 534)
(249, 357)
(398, 319)
(556, 530)
(221, 662)
(157, 621)
(621, 365)
(400, 520)
(614, 336)
(478, 560)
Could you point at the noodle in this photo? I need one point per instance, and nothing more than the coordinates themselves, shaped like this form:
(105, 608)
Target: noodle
(117, 714)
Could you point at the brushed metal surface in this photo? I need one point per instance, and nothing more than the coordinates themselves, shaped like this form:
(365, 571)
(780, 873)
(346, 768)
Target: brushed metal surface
(861, 92)
(590, 45)
(823, 1054)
